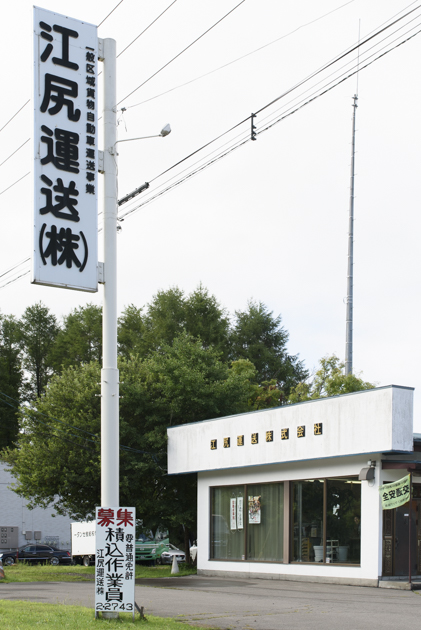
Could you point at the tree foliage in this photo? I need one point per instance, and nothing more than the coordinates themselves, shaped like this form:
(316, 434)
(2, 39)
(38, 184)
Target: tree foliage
(79, 340)
(329, 380)
(58, 455)
(169, 314)
(259, 337)
(37, 333)
(10, 380)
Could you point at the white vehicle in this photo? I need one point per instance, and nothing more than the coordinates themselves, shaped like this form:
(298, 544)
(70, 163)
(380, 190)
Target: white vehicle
(83, 542)
(167, 556)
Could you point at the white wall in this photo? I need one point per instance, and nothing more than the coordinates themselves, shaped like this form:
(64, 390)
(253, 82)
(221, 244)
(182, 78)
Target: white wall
(15, 513)
(378, 420)
(371, 548)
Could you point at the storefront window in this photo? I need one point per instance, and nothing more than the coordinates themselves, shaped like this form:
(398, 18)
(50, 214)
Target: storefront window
(343, 524)
(307, 500)
(265, 530)
(227, 523)
(252, 513)
(330, 505)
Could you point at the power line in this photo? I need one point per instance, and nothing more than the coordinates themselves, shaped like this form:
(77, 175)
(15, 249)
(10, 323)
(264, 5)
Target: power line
(357, 60)
(299, 84)
(14, 183)
(12, 268)
(16, 150)
(14, 115)
(195, 171)
(180, 53)
(107, 16)
(14, 280)
(293, 111)
(225, 65)
(144, 31)
(338, 83)
(330, 63)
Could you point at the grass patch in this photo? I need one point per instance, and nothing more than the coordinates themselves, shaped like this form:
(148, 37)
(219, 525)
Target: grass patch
(21, 615)
(22, 572)
(164, 571)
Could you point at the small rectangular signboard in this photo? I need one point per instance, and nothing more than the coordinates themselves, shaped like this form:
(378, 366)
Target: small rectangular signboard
(115, 559)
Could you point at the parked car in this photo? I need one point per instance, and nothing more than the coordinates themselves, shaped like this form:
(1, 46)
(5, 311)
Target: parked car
(37, 553)
(169, 553)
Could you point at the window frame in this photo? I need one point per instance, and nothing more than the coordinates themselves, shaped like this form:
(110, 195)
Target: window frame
(246, 523)
(291, 522)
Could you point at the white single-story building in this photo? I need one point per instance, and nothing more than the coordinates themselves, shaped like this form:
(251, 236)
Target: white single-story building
(293, 492)
(20, 525)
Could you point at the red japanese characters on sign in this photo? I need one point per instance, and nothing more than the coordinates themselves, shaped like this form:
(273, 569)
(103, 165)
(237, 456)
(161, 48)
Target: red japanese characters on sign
(115, 559)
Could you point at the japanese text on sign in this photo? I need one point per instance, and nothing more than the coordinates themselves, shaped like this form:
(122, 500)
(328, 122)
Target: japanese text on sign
(65, 149)
(395, 494)
(115, 559)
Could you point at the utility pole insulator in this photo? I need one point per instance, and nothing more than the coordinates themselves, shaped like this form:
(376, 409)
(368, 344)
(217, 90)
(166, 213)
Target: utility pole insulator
(253, 127)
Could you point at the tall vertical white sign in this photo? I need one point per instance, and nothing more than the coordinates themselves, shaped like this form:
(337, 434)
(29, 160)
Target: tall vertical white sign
(65, 250)
(115, 559)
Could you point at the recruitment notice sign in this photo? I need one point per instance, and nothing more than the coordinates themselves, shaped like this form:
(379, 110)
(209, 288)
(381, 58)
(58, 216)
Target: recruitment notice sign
(65, 251)
(115, 559)
(395, 494)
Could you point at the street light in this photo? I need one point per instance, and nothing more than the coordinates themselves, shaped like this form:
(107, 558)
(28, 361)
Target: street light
(165, 131)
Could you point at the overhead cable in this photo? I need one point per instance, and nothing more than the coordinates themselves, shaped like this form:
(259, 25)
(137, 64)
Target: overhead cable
(15, 114)
(16, 182)
(225, 65)
(181, 52)
(144, 30)
(107, 16)
(15, 151)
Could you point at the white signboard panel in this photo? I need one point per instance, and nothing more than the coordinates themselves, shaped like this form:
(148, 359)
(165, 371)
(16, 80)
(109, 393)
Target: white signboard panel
(65, 149)
(233, 513)
(83, 538)
(115, 559)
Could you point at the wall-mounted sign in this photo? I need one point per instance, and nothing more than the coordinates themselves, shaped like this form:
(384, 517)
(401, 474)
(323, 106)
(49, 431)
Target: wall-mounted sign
(66, 155)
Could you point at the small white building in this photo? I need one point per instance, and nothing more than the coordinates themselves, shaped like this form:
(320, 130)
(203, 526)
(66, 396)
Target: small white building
(20, 525)
(293, 492)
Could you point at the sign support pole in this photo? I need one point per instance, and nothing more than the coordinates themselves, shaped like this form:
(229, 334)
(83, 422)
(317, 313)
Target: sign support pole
(409, 527)
(109, 374)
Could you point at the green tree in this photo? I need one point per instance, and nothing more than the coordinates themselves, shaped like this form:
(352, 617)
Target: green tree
(261, 395)
(58, 455)
(164, 319)
(329, 380)
(80, 338)
(37, 333)
(206, 320)
(131, 330)
(259, 337)
(10, 380)
(169, 314)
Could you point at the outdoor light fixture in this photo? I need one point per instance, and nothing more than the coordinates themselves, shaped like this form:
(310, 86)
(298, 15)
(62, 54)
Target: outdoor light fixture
(367, 474)
(165, 131)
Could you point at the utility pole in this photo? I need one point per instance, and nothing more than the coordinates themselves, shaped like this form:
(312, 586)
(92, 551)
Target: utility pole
(110, 439)
(350, 274)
